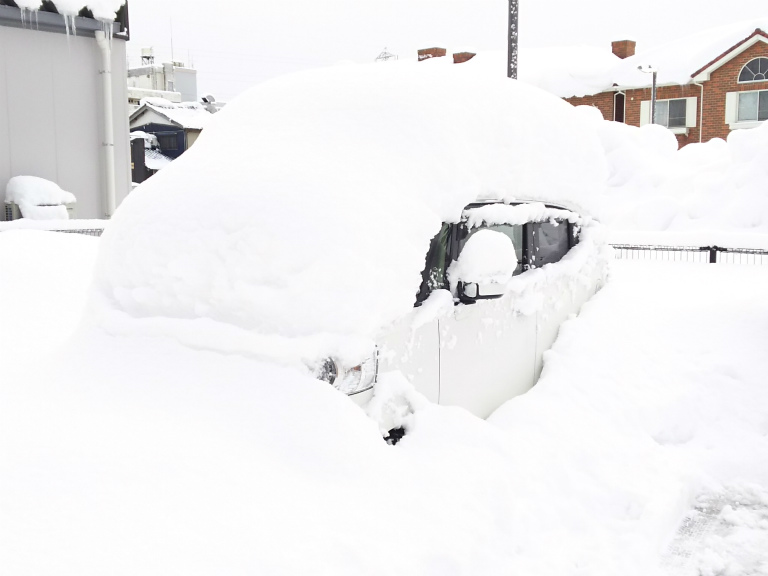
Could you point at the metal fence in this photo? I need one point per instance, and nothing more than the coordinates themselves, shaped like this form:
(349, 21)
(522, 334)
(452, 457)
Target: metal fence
(694, 254)
(85, 231)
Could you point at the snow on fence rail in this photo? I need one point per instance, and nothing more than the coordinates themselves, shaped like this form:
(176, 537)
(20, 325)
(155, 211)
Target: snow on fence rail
(695, 254)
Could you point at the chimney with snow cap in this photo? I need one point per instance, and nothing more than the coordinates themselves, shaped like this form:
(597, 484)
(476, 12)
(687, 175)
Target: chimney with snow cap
(623, 48)
(427, 53)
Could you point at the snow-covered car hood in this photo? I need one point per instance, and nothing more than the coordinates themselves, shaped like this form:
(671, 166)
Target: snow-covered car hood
(304, 211)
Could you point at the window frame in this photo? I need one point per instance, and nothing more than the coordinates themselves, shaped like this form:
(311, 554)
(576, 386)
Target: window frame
(667, 101)
(743, 68)
(738, 105)
(458, 232)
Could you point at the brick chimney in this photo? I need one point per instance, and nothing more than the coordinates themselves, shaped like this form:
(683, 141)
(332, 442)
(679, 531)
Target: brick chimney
(459, 57)
(623, 48)
(427, 53)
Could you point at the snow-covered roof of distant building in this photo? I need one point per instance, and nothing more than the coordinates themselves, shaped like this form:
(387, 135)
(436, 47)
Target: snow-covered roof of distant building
(189, 115)
(679, 60)
(155, 160)
(580, 70)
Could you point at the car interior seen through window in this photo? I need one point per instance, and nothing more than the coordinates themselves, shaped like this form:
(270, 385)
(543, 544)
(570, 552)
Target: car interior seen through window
(536, 244)
(552, 242)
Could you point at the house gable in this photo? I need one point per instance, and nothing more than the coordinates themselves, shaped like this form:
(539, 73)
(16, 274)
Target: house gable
(704, 74)
(146, 115)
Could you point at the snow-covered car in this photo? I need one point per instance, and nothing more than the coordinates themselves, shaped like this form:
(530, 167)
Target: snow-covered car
(424, 218)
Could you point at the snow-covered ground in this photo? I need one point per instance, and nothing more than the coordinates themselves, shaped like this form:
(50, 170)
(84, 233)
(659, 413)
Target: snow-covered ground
(643, 449)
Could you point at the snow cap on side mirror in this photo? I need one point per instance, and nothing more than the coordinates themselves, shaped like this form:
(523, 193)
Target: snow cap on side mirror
(485, 265)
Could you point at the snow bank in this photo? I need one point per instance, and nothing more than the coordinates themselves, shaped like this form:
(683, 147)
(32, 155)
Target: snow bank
(307, 205)
(37, 198)
(44, 281)
(120, 454)
(711, 190)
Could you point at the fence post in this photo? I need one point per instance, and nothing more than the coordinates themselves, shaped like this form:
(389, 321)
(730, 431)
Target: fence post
(713, 254)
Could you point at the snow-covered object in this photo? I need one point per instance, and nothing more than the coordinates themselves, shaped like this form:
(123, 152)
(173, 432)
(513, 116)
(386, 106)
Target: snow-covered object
(487, 258)
(307, 205)
(29, 4)
(192, 115)
(155, 160)
(678, 60)
(101, 9)
(38, 198)
(582, 70)
(571, 71)
(708, 191)
(652, 404)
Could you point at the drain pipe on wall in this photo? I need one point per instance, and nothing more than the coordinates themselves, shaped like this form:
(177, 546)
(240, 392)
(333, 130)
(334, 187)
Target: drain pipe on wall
(701, 111)
(109, 129)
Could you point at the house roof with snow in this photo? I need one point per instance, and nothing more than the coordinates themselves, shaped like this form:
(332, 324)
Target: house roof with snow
(187, 115)
(579, 71)
(67, 16)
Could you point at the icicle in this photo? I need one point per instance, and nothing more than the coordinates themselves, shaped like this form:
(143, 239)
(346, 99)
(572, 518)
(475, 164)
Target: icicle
(106, 25)
(23, 12)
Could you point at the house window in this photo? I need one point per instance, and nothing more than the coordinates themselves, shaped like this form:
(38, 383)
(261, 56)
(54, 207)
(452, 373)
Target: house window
(671, 113)
(168, 141)
(753, 106)
(755, 71)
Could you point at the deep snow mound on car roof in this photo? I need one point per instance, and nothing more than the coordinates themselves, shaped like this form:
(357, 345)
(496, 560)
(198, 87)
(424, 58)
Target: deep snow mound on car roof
(307, 205)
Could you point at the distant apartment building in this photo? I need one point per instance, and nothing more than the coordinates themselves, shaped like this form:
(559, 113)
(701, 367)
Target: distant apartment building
(172, 81)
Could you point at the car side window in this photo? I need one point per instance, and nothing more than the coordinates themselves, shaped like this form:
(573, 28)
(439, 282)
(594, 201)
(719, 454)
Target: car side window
(551, 241)
(514, 232)
(436, 264)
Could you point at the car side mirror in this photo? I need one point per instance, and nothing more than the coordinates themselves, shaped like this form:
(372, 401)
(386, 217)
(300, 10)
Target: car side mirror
(485, 265)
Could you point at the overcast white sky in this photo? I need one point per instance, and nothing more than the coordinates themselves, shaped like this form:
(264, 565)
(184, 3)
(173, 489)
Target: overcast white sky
(250, 41)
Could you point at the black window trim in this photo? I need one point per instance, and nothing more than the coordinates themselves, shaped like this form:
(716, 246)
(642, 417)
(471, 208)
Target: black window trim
(458, 231)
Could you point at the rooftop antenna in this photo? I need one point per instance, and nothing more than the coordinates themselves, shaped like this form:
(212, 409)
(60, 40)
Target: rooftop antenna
(171, 40)
(385, 56)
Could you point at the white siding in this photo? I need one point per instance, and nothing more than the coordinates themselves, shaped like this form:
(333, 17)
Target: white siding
(51, 114)
(731, 107)
(645, 112)
(690, 112)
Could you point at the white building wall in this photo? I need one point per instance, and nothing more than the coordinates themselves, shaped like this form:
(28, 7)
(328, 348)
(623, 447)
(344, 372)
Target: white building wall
(51, 114)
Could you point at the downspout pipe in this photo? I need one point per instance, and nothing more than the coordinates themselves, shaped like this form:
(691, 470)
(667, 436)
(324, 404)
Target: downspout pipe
(701, 111)
(109, 128)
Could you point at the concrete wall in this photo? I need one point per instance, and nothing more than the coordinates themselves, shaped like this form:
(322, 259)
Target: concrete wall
(51, 114)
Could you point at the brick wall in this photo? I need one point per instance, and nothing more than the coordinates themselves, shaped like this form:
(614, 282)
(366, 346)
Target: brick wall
(722, 81)
(603, 102)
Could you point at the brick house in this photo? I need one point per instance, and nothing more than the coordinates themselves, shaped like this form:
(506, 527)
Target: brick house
(707, 86)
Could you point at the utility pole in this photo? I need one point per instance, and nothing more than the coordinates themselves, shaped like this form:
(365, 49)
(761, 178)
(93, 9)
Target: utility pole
(512, 40)
(651, 70)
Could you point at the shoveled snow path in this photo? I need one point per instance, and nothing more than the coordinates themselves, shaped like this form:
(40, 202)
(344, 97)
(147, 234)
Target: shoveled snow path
(677, 352)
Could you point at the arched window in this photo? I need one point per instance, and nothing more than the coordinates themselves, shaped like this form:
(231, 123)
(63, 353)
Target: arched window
(755, 71)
